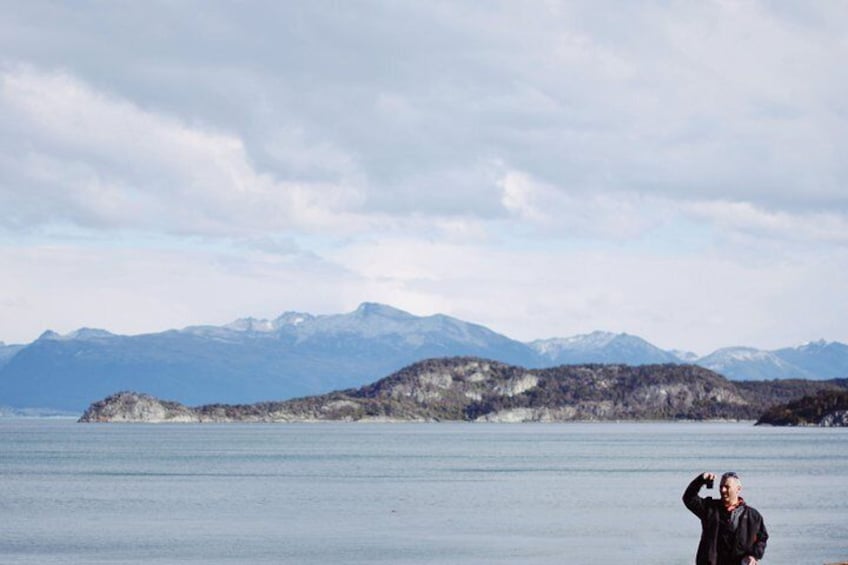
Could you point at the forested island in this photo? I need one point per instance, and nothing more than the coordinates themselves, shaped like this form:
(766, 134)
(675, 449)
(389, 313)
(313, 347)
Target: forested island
(478, 390)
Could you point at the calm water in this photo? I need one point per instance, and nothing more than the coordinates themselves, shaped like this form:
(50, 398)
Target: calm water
(405, 494)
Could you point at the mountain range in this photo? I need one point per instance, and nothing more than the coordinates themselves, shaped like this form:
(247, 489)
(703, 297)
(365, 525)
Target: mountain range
(299, 354)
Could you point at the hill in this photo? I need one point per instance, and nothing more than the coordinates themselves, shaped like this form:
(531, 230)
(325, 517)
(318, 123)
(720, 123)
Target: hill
(474, 390)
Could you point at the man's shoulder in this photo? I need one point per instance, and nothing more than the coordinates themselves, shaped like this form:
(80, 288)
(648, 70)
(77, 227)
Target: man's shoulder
(753, 511)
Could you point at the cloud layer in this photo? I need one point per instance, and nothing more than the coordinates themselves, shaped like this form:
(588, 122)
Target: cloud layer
(673, 171)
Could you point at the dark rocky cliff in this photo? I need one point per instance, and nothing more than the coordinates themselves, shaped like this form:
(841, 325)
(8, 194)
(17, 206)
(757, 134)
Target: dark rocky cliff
(828, 408)
(473, 389)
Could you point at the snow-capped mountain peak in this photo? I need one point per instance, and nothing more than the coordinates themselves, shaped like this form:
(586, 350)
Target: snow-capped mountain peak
(371, 309)
(812, 346)
(89, 333)
(601, 347)
(292, 319)
(552, 347)
(251, 325)
(80, 334)
(750, 363)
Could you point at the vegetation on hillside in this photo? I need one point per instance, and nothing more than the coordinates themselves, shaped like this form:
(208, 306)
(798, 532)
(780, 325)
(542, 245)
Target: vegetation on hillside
(473, 389)
(809, 410)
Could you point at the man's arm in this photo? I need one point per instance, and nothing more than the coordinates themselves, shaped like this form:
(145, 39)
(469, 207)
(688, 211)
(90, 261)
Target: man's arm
(690, 496)
(758, 548)
(758, 541)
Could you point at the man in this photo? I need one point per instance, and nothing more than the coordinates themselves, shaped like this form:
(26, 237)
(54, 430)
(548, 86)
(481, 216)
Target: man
(732, 533)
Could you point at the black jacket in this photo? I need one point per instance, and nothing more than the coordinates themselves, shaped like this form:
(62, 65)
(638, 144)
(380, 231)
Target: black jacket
(749, 537)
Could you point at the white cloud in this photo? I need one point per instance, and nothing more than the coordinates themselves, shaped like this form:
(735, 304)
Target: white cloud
(745, 218)
(107, 162)
(593, 214)
(671, 170)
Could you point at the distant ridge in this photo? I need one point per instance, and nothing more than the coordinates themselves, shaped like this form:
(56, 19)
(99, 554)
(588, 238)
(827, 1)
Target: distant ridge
(755, 364)
(249, 360)
(601, 347)
(300, 354)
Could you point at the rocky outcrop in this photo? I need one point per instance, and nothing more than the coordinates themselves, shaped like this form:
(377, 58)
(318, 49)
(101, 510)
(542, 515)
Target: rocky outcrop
(136, 407)
(828, 408)
(836, 419)
(473, 389)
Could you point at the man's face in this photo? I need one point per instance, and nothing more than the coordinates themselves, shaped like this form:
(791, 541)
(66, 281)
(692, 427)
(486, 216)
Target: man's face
(729, 489)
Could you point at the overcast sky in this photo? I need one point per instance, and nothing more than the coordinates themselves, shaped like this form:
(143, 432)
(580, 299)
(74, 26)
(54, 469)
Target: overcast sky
(673, 170)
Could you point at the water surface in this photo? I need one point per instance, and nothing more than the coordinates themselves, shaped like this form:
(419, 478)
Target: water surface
(405, 493)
